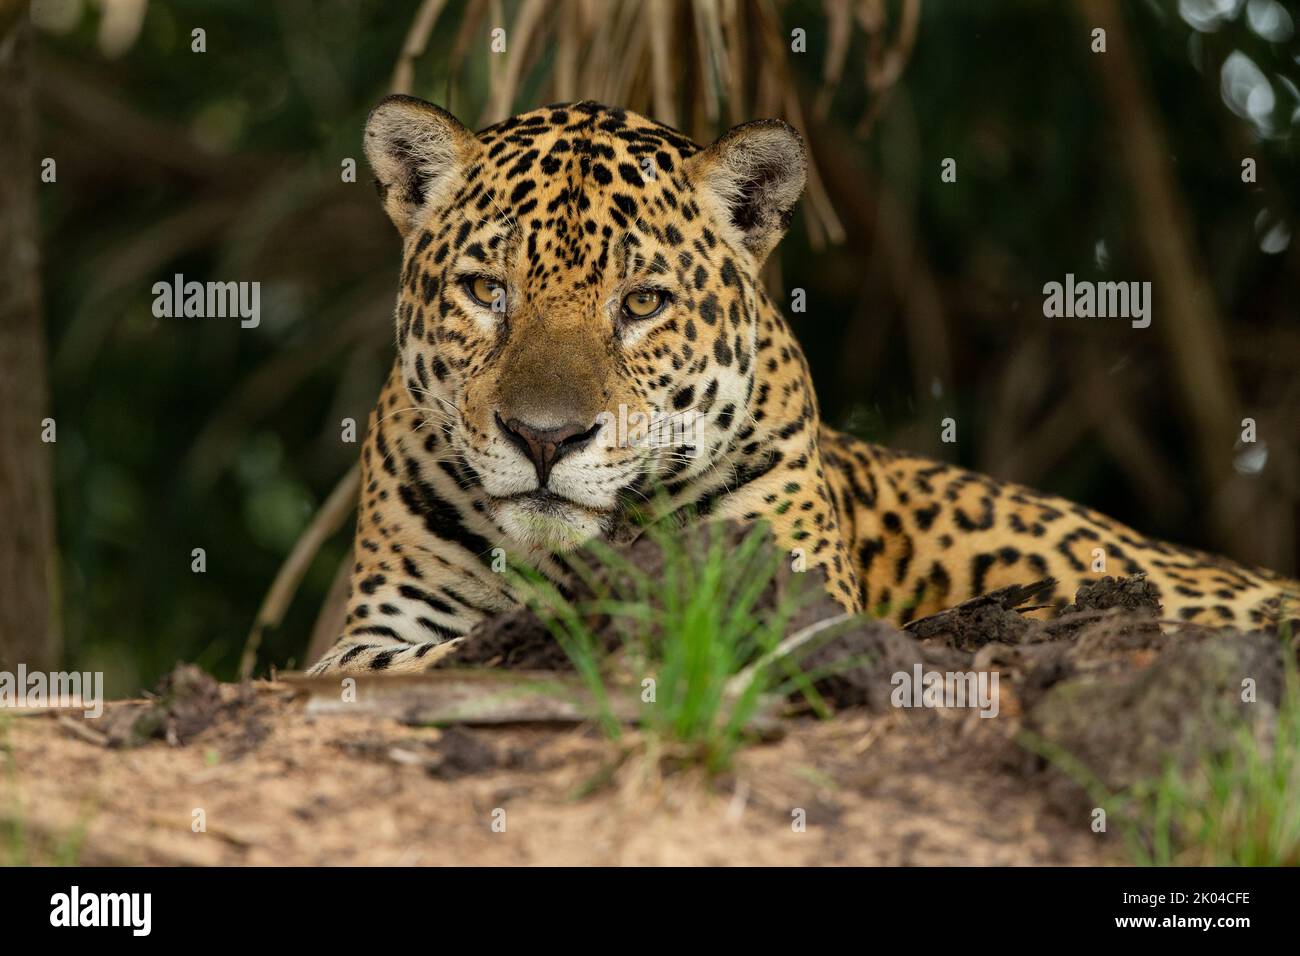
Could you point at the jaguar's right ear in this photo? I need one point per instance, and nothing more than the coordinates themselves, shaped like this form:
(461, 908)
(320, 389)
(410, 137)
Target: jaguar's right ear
(416, 150)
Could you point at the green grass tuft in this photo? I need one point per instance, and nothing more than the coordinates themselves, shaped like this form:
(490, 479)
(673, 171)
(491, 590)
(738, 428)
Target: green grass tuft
(698, 632)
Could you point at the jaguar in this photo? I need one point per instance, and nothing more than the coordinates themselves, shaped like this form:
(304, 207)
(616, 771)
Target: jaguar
(579, 259)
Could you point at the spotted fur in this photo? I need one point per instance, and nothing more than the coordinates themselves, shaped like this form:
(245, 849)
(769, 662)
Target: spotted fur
(487, 441)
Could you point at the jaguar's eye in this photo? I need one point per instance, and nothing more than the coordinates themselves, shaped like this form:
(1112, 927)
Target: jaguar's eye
(486, 291)
(644, 304)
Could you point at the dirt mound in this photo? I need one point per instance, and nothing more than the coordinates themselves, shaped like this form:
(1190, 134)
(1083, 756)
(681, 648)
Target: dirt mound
(521, 640)
(297, 774)
(186, 703)
(1102, 681)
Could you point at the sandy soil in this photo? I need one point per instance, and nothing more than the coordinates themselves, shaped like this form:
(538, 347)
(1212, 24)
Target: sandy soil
(294, 773)
(280, 786)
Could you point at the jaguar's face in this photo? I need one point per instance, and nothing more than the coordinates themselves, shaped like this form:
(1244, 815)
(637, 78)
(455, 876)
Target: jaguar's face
(578, 301)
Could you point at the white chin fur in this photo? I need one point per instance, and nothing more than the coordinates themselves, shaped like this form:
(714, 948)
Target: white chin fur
(560, 528)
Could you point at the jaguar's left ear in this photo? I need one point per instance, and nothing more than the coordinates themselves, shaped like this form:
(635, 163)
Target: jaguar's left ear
(754, 174)
(417, 151)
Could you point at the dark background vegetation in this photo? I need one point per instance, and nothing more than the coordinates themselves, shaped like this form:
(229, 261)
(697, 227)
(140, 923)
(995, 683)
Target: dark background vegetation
(182, 433)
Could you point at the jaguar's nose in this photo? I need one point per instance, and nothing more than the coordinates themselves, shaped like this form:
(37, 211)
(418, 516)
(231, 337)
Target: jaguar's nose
(545, 446)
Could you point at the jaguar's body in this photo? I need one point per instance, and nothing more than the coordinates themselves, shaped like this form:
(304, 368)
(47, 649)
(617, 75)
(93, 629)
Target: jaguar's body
(577, 265)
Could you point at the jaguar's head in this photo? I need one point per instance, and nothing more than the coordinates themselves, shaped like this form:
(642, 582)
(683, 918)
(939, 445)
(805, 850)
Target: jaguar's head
(578, 310)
